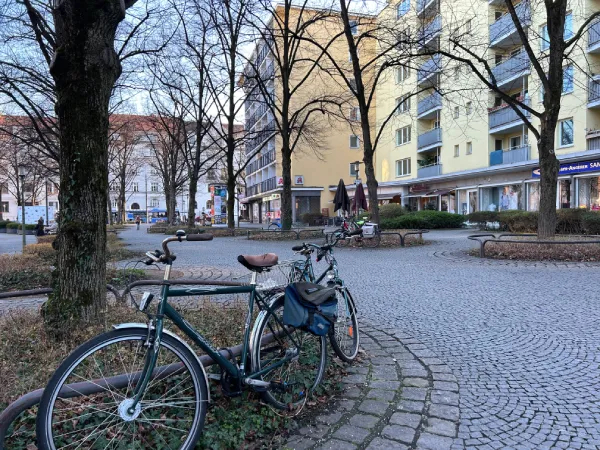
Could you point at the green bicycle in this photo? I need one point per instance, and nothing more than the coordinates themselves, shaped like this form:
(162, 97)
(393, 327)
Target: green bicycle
(142, 386)
(344, 335)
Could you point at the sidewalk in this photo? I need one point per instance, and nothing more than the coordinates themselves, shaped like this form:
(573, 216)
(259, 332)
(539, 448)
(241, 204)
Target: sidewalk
(400, 397)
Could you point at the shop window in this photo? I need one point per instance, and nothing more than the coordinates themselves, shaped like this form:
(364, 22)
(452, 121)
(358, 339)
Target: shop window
(588, 193)
(501, 198)
(565, 132)
(533, 199)
(564, 194)
(403, 167)
(403, 135)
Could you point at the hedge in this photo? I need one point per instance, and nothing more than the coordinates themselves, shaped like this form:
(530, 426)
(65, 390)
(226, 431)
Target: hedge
(391, 211)
(4, 223)
(17, 226)
(425, 220)
(591, 222)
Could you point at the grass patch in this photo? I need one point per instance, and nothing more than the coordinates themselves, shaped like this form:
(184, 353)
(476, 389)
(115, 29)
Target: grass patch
(544, 252)
(241, 422)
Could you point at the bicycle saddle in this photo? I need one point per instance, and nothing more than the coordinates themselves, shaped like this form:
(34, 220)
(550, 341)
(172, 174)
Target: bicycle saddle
(258, 263)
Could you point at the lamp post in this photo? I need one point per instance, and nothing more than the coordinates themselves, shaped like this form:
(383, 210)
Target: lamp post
(22, 173)
(46, 185)
(1, 205)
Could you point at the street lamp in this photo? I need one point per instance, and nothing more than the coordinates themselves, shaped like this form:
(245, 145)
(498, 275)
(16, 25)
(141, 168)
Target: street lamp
(22, 174)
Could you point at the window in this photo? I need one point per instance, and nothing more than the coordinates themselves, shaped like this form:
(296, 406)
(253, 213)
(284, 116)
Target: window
(456, 150)
(354, 141)
(353, 27)
(135, 206)
(498, 144)
(403, 104)
(353, 169)
(114, 203)
(498, 14)
(469, 108)
(565, 132)
(515, 142)
(154, 202)
(456, 112)
(355, 114)
(498, 59)
(403, 8)
(469, 148)
(51, 187)
(567, 86)
(568, 33)
(436, 124)
(154, 186)
(152, 138)
(403, 167)
(497, 101)
(544, 38)
(402, 73)
(4, 207)
(135, 187)
(153, 172)
(403, 135)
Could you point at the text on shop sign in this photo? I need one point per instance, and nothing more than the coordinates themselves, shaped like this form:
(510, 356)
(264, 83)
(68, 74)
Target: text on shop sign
(566, 169)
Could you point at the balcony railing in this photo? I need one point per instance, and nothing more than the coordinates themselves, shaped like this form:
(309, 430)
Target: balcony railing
(511, 67)
(431, 30)
(421, 4)
(505, 26)
(511, 156)
(429, 67)
(506, 115)
(593, 140)
(261, 162)
(264, 186)
(594, 34)
(428, 103)
(593, 91)
(429, 171)
(260, 137)
(429, 138)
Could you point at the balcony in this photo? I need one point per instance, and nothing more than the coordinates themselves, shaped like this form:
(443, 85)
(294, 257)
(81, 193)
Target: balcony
(261, 162)
(504, 119)
(427, 73)
(509, 74)
(429, 171)
(430, 139)
(269, 184)
(427, 108)
(511, 156)
(594, 38)
(427, 8)
(503, 32)
(260, 137)
(594, 93)
(593, 139)
(427, 35)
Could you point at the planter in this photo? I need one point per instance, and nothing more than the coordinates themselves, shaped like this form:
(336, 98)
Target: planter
(2, 230)
(27, 232)
(11, 231)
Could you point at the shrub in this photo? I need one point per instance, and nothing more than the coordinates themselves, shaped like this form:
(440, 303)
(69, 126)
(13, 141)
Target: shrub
(4, 223)
(44, 252)
(48, 239)
(482, 218)
(425, 220)
(21, 272)
(569, 221)
(391, 210)
(518, 221)
(12, 226)
(591, 222)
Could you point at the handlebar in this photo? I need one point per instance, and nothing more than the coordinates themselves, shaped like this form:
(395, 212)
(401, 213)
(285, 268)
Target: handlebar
(166, 256)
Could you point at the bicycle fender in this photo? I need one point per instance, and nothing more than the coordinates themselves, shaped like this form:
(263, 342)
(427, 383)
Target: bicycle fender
(174, 336)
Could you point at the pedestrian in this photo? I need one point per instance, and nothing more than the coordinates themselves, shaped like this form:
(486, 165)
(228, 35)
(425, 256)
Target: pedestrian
(138, 219)
(39, 228)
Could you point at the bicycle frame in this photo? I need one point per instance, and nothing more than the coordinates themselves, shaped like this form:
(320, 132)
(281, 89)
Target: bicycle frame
(166, 310)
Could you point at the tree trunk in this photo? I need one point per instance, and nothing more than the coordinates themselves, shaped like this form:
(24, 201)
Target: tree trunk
(109, 208)
(286, 196)
(231, 191)
(372, 184)
(192, 190)
(85, 70)
(549, 166)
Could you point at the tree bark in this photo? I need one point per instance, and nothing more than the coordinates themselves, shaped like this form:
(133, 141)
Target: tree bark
(372, 185)
(549, 166)
(192, 190)
(286, 196)
(231, 191)
(85, 70)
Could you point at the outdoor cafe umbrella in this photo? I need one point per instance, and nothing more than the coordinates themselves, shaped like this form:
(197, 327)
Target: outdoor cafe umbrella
(341, 199)
(360, 200)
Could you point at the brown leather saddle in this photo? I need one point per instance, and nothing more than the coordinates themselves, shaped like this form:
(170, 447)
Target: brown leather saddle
(258, 263)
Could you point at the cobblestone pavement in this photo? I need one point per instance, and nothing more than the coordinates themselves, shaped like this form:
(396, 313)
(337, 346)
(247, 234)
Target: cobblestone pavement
(399, 396)
(521, 338)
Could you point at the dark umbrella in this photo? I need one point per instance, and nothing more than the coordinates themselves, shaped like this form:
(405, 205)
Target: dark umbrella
(341, 199)
(360, 200)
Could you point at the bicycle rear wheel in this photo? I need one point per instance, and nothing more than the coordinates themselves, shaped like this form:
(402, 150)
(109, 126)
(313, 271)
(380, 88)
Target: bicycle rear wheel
(296, 378)
(372, 242)
(344, 336)
(86, 403)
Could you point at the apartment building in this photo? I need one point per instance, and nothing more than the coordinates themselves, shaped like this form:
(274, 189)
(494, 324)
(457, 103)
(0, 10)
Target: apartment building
(456, 146)
(314, 173)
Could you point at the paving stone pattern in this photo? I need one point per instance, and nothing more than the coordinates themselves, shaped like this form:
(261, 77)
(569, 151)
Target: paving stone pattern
(394, 399)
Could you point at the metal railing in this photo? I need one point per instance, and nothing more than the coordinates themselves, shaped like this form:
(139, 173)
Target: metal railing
(506, 115)
(260, 137)
(429, 67)
(261, 162)
(269, 184)
(593, 91)
(594, 34)
(593, 143)
(429, 138)
(421, 4)
(431, 30)
(429, 171)
(505, 25)
(511, 67)
(430, 102)
(511, 156)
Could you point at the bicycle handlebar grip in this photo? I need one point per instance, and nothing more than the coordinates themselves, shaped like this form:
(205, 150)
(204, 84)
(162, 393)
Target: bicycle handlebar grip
(298, 248)
(355, 232)
(199, 237)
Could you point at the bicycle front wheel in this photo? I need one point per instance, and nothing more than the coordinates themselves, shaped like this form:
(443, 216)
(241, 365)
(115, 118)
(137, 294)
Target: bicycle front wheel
(298, 359)
(344, 336)
(87, 403)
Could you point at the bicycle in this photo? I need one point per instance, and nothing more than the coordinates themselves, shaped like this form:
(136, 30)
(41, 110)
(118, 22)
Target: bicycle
(344, 335)
(344, 234)
(149, 387)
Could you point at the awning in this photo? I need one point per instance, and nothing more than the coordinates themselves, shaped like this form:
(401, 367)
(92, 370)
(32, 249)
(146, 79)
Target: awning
(388, 196)
(439, 192)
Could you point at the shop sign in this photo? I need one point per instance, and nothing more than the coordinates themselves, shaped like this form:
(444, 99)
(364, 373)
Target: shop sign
(279, 181)
(419, 188)
(567, 169)
(299, 179)
(272, 197)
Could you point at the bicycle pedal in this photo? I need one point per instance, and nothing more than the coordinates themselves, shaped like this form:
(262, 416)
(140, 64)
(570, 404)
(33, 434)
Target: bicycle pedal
(280, 386)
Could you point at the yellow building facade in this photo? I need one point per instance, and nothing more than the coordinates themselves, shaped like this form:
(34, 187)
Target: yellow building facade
(318, 162)
(454, 145)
